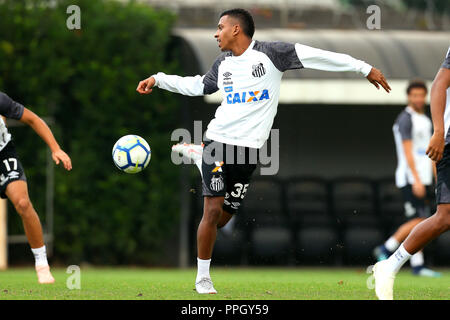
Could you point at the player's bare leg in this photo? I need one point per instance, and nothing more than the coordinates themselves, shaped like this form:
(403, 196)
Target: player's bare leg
(417, 259)
(17, 192)
(206, 237)
(420, 236)
(214, 217)
(428, 230)
(382, 252)
(404, 230)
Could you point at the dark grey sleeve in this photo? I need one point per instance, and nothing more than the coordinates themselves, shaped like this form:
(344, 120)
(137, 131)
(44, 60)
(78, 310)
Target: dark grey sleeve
(282, 54)
(404, 123)
(211, 77)
(10, 108)
(446, 63)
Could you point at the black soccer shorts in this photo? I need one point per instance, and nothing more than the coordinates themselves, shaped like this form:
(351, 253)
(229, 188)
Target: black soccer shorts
(227, 177)
(443, 178)
(10, 168)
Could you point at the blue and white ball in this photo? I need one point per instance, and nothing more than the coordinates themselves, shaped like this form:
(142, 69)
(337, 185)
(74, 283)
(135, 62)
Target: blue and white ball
(131, 154)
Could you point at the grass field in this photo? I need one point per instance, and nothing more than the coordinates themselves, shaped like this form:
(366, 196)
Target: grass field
(231, 283)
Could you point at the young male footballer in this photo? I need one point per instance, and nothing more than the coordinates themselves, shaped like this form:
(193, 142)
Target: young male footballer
(438, 150)
(248, 74)
(13, 183)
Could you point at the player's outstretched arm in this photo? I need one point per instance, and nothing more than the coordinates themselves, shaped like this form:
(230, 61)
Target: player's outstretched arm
(319, 59)
(188, 86)
(41, 128)
(438, 99)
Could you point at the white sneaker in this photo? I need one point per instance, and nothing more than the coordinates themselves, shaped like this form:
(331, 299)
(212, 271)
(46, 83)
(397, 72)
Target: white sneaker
(189, 150)
(44, 275)
(205, 285)
(384, 281)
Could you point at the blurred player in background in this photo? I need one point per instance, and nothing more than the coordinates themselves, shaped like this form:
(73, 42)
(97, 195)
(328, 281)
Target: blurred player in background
(414, 175)
(438, 150)
(13, 183)
(248, 73)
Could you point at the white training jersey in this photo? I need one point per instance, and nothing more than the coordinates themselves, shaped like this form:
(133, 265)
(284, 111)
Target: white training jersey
(446, 65)
(9, 109)
(417, 127)
(250, 86)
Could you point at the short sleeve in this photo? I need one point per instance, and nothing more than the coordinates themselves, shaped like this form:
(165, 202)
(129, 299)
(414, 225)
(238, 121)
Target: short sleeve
(10, 108)
(282, 54)
(404, 123)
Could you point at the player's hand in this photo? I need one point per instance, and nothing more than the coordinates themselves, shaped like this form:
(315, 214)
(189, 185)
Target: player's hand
(145, 86)
(418, 189)
(60, 156)
(377, 78)
(436, 146)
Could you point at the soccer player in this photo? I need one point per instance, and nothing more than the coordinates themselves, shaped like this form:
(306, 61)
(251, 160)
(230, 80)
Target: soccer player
(438, 150)
(248, 74)
(414, 174)
(13, 183)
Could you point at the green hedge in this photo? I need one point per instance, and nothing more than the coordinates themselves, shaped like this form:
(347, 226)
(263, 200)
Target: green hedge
(86, 80)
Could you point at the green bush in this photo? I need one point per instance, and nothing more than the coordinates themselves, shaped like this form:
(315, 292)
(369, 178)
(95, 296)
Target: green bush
(85, 80)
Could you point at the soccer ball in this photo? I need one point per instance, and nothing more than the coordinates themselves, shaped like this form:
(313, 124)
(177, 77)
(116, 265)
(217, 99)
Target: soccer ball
(131, 154)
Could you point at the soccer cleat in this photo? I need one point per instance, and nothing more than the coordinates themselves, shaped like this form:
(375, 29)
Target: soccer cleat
(381, 253)
(189, 150)
(384, 281)
(44, 275)
(205, 285)
(425, 272)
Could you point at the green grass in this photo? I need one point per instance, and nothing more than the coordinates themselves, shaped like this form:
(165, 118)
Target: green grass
(231, 283)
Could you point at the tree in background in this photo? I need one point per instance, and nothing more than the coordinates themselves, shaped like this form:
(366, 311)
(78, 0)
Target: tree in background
(85, 80)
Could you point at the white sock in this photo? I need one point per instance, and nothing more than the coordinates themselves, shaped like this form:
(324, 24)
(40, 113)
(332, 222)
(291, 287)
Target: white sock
(391, 244)
(398, 259)
(203, 269)
(40, 256)
(417, 259)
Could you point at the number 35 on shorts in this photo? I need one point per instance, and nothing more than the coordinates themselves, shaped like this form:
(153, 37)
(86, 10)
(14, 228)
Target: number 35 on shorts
(239, 190)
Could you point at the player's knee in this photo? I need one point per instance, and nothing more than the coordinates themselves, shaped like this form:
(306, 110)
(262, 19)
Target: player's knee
(212, 215)
(22, 206)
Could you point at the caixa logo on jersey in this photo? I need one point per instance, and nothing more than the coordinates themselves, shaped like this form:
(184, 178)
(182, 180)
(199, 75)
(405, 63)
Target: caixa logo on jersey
(247, 96)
